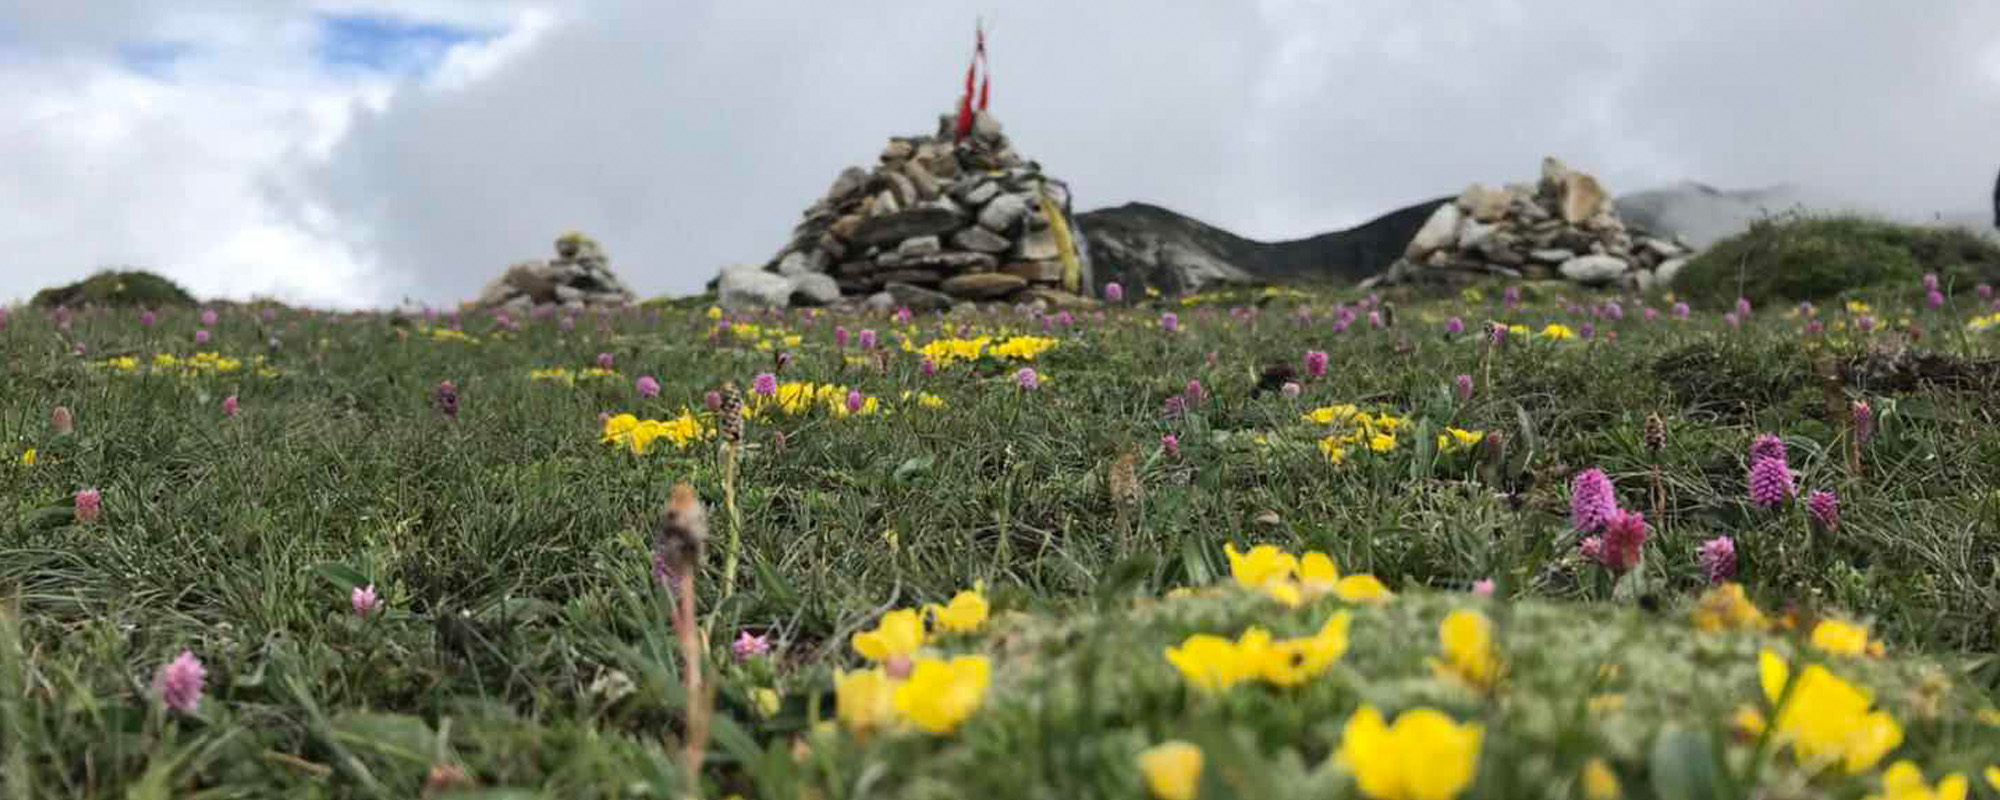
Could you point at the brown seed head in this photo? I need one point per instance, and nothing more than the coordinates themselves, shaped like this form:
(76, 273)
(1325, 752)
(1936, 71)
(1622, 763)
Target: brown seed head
(1656, 433)
(731, 413)
(683, 530)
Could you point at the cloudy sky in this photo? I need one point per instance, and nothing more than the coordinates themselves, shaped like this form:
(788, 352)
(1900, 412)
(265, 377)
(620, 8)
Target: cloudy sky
(364, 152)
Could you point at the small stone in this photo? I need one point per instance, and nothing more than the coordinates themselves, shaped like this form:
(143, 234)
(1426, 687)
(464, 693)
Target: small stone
(895, 227)
(1036, 271)
(1472, 233)
(794, 263)
(844, 227)
(1483, 203)
(830, 245)
(1057, 298)
(906, 190)
(980, 240)
(927, 184)
(1437, 233)
(985, 126)
(1551, 255)
(1593, 270)
(976, 194)
(983, 285)
(917, 298)
(1003, 212)
(1661, 247)
(885, 204)
(1037, 245)
(1668, 270)
(898, 150)
(919, 246)
(920, 277)
(850, 182)
(742, 286)
(1582, 197)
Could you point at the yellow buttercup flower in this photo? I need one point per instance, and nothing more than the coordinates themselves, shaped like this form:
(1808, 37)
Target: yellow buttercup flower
(1263, 565)
(940, 695)
(1327, 415)
(1725, 607)
(965, 613)
(1599, 782)
(1840, 638)
(899, 633)
(1362, 588)
(766, 700)
(1557, 332)
(1317, 573)
(1827, 719)
(1904, 781)
(1993, 777)
(1172, 770)
(1466, 637)
(864, 699)
(28, 457)
(1209, 662)
(714, 313)
(1382, 443)
(1423, 756)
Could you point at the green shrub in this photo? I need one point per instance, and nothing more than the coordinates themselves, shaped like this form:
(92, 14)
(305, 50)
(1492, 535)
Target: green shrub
(1812, 258)
(117, 288)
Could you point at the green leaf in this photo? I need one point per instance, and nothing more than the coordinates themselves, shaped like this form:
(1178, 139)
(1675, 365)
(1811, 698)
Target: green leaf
(913, 468)
(342, 576)
(1683, 766)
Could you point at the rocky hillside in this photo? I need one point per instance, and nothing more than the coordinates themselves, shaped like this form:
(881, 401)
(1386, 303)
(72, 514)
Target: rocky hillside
(1141, 245)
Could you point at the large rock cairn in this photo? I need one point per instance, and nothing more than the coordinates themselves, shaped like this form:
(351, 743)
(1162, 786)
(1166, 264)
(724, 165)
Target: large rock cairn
(934, 223)
(1564, 226)
(580, 276)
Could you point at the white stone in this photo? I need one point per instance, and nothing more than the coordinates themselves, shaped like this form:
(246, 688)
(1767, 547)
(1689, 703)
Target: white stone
(1668, 270)
(741, 286)
(1003, 212)
(1593, 270)
(1437, 233)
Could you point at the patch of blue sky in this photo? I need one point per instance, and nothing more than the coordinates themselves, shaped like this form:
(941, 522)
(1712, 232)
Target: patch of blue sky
(376, 43)
(155, 58)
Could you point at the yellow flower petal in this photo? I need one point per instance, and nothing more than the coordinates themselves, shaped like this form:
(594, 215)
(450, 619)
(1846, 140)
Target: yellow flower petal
(1172, 770)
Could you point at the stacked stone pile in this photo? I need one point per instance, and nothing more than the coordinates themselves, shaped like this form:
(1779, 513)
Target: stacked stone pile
(1563, 226)
(579, 276)
(933, 223)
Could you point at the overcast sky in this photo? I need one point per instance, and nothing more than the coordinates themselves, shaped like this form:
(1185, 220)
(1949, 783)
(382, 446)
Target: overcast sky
(359, 152)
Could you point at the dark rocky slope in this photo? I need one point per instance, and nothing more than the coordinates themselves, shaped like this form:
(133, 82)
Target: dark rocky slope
(1141, 245)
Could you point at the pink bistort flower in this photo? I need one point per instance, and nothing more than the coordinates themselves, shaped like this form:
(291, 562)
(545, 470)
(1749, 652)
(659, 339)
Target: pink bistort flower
(1717, 557)
(1591, 500)
(87, 505)
(1824, 508)
(364, 600)
(1770, 483)
(179, 682)
(648, 386)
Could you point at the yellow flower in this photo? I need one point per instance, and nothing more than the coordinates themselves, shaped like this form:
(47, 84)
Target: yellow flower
(1725, 607)
(1988, 716)
(1749, 721)
(1904, 781)
(714, 313)
(1294, 661)
(899, 633)
(965, 613)
(1263, 565)
(1456, 439)
(1362, 588)
(766, 701)
(1840, 638)
(1172, 769)
(1827, 719)
(1023, 347)
(1599, 782)
(1558, 332)
(1317, 573)
(1327, 415)
(939, 695)
(28, 457)
(1331, 448)
(1467, 639)
(863, 699)
(1423, 756)
(1209, 662)
(1606, 702)
(1993, 777)
(1382, 443)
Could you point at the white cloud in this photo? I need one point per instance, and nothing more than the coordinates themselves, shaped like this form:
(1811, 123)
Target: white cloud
(686, 135)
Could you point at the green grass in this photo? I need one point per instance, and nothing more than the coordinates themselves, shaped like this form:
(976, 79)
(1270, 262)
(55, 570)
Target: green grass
(239, 538)
(1799, 257)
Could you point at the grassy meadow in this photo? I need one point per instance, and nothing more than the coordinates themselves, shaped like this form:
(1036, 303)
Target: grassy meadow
(1102, 553)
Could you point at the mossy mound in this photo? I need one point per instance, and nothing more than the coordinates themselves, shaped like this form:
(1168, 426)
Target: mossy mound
(1812, 258)
(117, 288)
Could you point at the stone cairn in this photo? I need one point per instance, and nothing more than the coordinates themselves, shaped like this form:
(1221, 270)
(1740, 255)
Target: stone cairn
(1564, 226)
(580, 276)
(933, 224)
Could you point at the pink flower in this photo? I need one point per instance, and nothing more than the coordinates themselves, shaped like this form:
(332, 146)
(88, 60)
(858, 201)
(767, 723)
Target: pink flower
(1865, 323)
(1591, 501)
(1624, 540)
(1733, 320)
(1454, 326)
(765, 385)
(1930, 281)
(1113, 293)
(229, 406)
(1464, 384)
(1194, 393)
(208, 318)
(713, 400)
(1587, 331)
(903, 316)
(1511, 296)
(868, 339)
(1681, 311)
(748, 646)
(61, 421)
(1315, 364)
(1613, 311)
(1934, 300)
(1591, 548)
(1767, 446)
(179, 682)
(1483, 587)
(1864, 421)
(840, 337)
(1374, 319)
(928, 368)
(146, 319)
(1170, 322)
(1717, 557)
(1174, 407)
(87, 505)
(1743, 307)
(1496, 335)
(603, 360)
(567, 324)
(855, 402)
(1770, 483)
(201, 336)
(647, 386)
(1027, 379)
(1291, 390)
(447, 399)
(1824, 508)
(364, 600)
(1985, 291)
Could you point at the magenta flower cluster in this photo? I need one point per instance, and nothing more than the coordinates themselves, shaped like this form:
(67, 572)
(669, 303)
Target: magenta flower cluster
(1770, 476)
